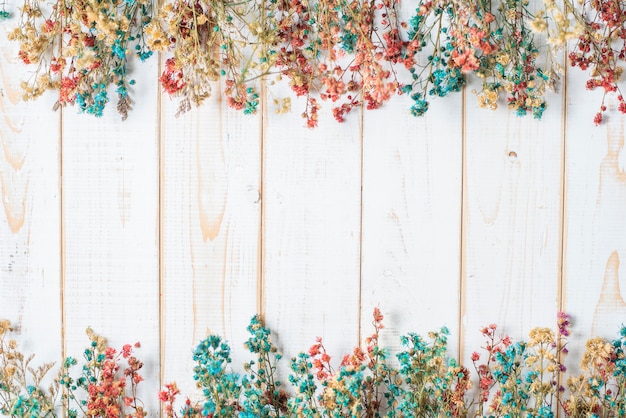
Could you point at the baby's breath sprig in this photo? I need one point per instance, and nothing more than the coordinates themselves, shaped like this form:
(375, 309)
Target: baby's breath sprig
(513, 67)
(487, 370)
(103, 388)
(261, 389)
(220, 386)
(432, 383)
(601, 49)
(438, 29)
(298, 57)
(558, 24)
(21, 392)
(381, 386)
(302, 378)
(365, 384)
(361, 42)
(600, 389)
(215, 39)
(194, 31)
(81, 48)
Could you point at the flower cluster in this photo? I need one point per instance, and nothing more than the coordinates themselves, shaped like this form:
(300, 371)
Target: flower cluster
(349, 53)
(364, 385)
(601, 387)
(601, 48)
(512, 66)
(434, 385)
(212, 39)
(102, 389)
(523, 378)
(510, 378)
(257, 393)
(21, 392)
(80, 48)
(220, 388)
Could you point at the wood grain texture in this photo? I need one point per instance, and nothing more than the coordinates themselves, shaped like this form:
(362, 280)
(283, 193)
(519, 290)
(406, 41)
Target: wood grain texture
(595, 238)
(30, 293)
(512, 221)
(211, 221)
(312, 233)
(412, 219)
(163, 229)
(110, 219)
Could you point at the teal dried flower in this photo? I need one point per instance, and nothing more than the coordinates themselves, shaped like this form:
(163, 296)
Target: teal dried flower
(220, 387)
(262, 396)
(303, 403)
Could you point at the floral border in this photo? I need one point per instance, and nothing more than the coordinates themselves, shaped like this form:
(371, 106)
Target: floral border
(350, 53)
(506, 379)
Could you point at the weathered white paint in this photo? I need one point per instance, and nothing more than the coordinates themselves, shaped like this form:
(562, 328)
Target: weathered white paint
(162, 228)
(595, 230)
(312, 229)
(211, 223)
(512, 221)
(30, 246)
(111, 228)
(412, 169)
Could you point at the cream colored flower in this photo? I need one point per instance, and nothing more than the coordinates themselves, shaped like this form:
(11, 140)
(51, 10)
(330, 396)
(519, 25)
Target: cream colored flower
(539, 335)
(539, 24)
(598, 351)
(488, 99)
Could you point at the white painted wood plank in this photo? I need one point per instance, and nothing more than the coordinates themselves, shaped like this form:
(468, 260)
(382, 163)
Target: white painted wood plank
(110, 228)
(512, 221)
(595, 230)
(312, 215)
(211, 221)
(30, 294)
(411, 219)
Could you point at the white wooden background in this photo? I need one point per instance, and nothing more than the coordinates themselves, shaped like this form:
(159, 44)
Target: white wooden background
(159, 228)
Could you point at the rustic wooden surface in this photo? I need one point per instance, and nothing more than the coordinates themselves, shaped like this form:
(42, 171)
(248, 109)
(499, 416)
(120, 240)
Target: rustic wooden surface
(211, 202)
(30, 217)
(162, 229)
(595, 230)
(512, 221)
(412, 182)
(311, 229)
(110, 236)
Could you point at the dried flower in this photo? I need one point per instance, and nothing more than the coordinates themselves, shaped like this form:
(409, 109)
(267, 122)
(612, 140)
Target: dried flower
(80, 48)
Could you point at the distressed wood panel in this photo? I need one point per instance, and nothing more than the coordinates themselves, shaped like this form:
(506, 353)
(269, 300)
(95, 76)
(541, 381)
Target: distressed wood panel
(434, 220)
(412, 182)
(30, 292)
(110, 228)
(595, 238)
(311, 234)
(211, 223)
(512, 221)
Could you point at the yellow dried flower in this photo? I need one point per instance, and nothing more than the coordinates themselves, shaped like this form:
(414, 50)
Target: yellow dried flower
(597, 351)
(539, 335)
(100, 341)
(511, 14)
(5, 326)
(201, 20)
(283, 106)
(488, 99)
(539, 24)
(503, 58)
